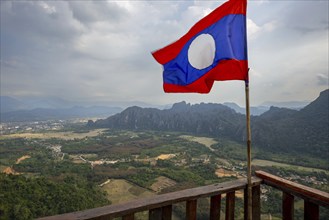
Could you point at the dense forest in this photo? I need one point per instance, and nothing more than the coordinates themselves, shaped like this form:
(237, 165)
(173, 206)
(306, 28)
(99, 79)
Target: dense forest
(36, 197)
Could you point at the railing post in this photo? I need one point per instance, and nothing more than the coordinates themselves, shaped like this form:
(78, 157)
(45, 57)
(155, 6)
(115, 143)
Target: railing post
(155, 214)
(245, 203)
(191, 209)
(311, 210)
(128, 217)
(215, 207)
(287, 206)
(166, 212)
(163, 213)
(256, 202)
(230, 205)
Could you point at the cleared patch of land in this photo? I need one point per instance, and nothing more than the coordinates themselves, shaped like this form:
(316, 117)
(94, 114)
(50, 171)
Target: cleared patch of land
(165, 156)
(120, 191)
(154, 159)
(10, 170)
(22, 158)
(206, 141)
(225, 173)
(59, 135)
(268, 163)
(76, 158)
(162, 183)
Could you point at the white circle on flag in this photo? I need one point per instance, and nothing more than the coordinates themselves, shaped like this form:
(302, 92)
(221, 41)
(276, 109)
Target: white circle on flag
(201, 52)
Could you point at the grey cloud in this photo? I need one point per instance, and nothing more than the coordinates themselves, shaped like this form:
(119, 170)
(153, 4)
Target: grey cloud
(307, 30)
(102, 50)
(32, 19)
(92, 11)
(322, 80)
(36, 35)
(306, 16)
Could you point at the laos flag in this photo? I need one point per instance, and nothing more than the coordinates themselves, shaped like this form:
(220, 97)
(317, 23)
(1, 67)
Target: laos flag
(214, 49)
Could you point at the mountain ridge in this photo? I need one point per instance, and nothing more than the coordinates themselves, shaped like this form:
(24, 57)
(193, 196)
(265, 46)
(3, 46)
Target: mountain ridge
(10, 104)
(43, 114)
(304, 130)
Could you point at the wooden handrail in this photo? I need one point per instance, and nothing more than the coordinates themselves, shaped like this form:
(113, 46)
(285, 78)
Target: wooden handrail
(157, 201)
(305, 192)
(160, 206)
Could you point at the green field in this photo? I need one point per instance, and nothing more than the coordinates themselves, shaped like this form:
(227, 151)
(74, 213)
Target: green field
(268, 163)
(120, 191)
(68, 135)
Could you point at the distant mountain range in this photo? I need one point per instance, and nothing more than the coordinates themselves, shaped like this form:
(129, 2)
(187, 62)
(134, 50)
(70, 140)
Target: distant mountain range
(293, 104)
(43, 114)
(47, 108)
(254, 110)
(9, 104)
(50, 108)
(258, 110)
(280, 129)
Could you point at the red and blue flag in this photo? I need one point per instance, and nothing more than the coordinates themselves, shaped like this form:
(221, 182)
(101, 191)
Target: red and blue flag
(214, 49)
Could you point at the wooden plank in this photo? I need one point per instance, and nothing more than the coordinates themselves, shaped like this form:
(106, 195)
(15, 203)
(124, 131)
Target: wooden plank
(156, 201)
(191, 207)
(256, 202)
(230, 205)
(311, 210)
(287, 206)
(245, 204)
(155, 214)
(307, 193)
(128, 217)
(215, 207)
(167, 212)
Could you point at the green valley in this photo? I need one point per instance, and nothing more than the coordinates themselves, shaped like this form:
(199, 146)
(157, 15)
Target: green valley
(99, 169)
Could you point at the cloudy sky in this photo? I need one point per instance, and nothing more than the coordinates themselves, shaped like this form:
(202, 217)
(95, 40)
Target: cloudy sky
(100, 50)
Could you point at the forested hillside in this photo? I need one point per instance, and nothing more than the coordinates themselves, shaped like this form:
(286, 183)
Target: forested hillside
(304, 131)
(209, 119)
(279, 129)
(48, 197)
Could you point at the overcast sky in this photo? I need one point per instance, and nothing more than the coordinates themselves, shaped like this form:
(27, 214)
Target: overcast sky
(101, 50)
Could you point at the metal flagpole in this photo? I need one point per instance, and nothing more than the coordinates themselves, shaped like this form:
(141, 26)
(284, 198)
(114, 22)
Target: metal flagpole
(248, 151)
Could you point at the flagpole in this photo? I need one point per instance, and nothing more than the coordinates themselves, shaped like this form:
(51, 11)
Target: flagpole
(249, 217)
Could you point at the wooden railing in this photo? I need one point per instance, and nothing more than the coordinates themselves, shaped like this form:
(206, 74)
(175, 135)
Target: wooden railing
(160, 206)
(313, 198)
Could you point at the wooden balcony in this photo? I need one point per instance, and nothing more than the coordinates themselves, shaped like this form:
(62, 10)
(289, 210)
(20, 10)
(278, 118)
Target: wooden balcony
(160, 206)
